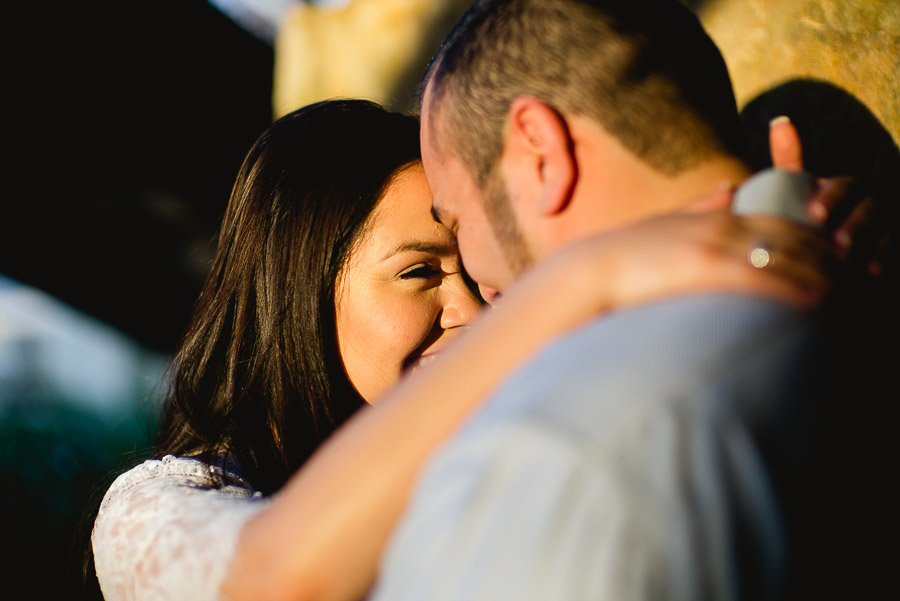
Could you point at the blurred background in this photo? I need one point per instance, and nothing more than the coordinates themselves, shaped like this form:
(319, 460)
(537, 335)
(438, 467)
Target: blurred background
(126, 124)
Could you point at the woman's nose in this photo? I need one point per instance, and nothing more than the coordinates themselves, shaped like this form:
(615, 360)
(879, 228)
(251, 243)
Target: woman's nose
(460, 305)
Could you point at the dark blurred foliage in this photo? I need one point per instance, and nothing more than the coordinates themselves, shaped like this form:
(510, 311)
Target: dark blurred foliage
(55, 459)
(127, 123)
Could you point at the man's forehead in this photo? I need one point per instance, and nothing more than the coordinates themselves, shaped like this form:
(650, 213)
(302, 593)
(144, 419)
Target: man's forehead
(426, 110)
(445, 186)
(446, 174)
(436, 163)
(432, 128)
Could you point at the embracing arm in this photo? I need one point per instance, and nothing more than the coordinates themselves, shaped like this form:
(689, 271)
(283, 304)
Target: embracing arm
(322, 534)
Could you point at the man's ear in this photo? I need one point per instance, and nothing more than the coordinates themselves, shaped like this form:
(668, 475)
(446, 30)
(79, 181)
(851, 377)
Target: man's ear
(539, 148)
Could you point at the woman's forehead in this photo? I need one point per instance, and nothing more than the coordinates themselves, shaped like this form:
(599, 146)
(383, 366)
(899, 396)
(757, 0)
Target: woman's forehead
(402, 219)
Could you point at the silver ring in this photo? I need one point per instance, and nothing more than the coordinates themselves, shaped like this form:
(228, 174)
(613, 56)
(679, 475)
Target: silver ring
(760, 255)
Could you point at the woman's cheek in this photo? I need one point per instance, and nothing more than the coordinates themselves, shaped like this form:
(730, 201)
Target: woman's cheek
(413, 321)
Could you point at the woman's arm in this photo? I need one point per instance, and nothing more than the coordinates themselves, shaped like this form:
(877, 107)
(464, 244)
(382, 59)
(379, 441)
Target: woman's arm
(322, 534)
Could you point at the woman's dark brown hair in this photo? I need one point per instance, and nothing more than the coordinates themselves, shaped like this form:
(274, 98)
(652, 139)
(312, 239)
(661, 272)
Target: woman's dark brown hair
(258, 377)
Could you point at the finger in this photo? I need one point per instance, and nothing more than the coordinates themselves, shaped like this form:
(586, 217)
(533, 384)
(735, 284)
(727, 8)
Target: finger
(829, 194)
(810, 259)
(791, 279)
(797, 287)
(716, 248)
(858, 219)
(885, 254)
(797, 262)
(875, 267)
(798, 278)
(784, 144)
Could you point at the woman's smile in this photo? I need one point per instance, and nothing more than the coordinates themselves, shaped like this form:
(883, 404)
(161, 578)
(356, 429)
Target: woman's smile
(401, 296)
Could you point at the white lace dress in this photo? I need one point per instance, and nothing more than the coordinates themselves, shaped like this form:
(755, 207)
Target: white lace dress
(166, 532)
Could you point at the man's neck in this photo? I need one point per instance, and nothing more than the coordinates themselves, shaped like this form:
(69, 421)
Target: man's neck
(615, 188)
(664, 194)
(631, 191)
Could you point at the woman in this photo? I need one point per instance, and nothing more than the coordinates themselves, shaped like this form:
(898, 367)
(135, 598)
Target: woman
(331, 280)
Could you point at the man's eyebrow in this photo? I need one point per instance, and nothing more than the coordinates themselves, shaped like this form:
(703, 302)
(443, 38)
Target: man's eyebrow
(422, 247)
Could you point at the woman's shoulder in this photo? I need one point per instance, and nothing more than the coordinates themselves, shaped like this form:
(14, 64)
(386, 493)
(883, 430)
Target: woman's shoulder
(184, 475)
(167, 528)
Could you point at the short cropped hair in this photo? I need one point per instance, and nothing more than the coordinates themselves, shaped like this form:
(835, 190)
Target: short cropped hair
(645, 70)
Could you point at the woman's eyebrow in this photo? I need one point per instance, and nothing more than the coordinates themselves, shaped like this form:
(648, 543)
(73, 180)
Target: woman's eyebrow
(448, 248)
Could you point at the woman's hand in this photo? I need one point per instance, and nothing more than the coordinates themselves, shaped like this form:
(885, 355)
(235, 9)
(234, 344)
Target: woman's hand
(690, 252)
(836, 204)
(680, 253)
(705, 248)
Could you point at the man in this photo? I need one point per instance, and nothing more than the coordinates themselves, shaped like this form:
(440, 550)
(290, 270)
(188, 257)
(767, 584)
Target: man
(634, 459)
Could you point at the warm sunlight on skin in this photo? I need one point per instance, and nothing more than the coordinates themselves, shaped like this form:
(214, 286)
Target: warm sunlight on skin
(402, 296)
(459, 205)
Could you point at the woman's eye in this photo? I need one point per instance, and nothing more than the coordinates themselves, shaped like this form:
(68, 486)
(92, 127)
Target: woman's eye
(420, 271)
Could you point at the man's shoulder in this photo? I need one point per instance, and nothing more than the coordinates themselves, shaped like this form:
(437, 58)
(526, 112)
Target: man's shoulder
(591, 460)
(679, 329)
(628, 363)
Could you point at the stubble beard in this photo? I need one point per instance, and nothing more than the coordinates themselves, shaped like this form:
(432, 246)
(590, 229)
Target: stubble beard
(506, 229)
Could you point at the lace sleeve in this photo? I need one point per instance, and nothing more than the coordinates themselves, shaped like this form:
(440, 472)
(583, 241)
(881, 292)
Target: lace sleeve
(166, 532)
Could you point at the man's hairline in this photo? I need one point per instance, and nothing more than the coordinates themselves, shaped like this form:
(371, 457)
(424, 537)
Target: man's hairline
(430, 102)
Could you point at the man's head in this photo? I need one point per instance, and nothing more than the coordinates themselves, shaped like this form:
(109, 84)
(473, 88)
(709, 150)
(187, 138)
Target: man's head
(644, 72)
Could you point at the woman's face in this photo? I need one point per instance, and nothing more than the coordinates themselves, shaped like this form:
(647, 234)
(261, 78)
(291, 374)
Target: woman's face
(401, 297)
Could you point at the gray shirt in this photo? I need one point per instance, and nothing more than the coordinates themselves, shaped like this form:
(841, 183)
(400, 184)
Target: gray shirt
(630, 460)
